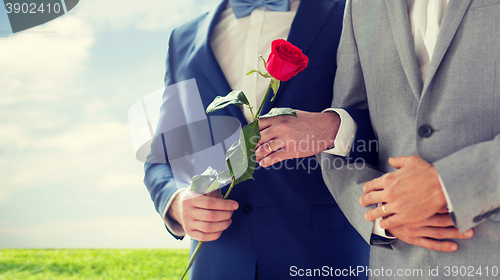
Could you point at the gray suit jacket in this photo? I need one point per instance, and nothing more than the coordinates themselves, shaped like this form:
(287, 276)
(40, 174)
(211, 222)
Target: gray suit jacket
(452, 120)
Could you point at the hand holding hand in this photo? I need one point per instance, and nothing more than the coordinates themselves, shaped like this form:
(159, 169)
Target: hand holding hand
(203, 217)
(286, 137)
(430, 232)
(411, 194)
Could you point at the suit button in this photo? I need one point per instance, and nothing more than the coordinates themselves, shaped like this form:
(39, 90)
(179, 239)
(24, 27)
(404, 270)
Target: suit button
(247, 209)
(425, 131)
(478, 219)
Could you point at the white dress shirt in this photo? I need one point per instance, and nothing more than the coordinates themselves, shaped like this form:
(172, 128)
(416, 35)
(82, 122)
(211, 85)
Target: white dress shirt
(425, 19)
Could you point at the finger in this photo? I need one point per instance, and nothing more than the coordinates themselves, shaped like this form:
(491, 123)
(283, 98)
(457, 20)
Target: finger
(436, 245)
(400, 162)
(397, 220)
(267, 134)
(377, 212)
(260, 152)
(373, 185)
(203, 215)
(443, 210)
(214, 203)
(438, 220)
(266, 123)
(211, 227)
(372, 198)
(443, 233)
(264, 138)
(274, 158)
(415, 217)
(264, 150)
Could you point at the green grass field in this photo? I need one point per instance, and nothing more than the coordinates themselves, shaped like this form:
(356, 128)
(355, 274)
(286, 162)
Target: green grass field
(20, 264)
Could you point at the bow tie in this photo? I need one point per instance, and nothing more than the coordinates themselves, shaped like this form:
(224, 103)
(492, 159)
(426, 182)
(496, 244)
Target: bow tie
(242, 8)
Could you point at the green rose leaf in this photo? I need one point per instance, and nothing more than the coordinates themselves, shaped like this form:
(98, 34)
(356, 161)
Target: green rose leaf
(279, 112)
(223, 177)
(203, 183)
(235, 97)
(263, 59)
(265, 75)
(253, 71)
(200, 183)
(240, 158)
(275, 85)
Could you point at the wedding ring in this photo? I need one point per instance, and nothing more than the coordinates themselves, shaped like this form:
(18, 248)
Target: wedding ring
(383, 209)
(269, 147)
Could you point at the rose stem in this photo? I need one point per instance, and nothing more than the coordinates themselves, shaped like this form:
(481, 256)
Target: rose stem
(229, 190)
(264, 99)
(191, 261)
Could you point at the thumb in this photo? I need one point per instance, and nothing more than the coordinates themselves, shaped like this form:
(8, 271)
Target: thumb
(399, 162)
(222, 204)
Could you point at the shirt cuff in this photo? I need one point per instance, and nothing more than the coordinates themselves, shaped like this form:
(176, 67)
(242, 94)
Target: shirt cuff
(172, 225)
(446, 196)
(380, 231)
(345, 135)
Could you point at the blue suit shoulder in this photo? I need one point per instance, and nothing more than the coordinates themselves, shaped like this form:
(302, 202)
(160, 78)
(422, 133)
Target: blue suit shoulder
(184, 36)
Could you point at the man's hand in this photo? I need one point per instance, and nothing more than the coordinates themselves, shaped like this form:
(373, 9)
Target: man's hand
(430, 232)
(411, 194)
(203, 217)
(286, 137)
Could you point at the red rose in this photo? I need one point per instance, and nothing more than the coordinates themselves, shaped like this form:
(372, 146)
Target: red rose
(285, 60)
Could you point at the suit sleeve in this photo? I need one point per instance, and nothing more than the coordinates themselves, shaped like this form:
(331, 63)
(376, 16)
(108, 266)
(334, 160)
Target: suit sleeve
(472, 179)
(159, 178)
(345, 177)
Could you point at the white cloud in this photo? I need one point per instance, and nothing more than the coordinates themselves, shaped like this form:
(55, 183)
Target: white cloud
(96, 155)
(141, 15)
(114, 180)
(3, 198)
(38, 63)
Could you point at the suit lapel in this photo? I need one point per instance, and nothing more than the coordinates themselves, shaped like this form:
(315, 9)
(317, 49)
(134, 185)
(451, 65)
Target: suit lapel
(452, 18)
(206, 60)
(310, 18)
(401, 31)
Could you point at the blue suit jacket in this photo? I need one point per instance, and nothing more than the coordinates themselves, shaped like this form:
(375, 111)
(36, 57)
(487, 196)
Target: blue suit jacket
(287, 217)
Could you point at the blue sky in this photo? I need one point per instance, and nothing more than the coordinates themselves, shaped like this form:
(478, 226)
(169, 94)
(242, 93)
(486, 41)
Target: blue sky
(68, 175)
